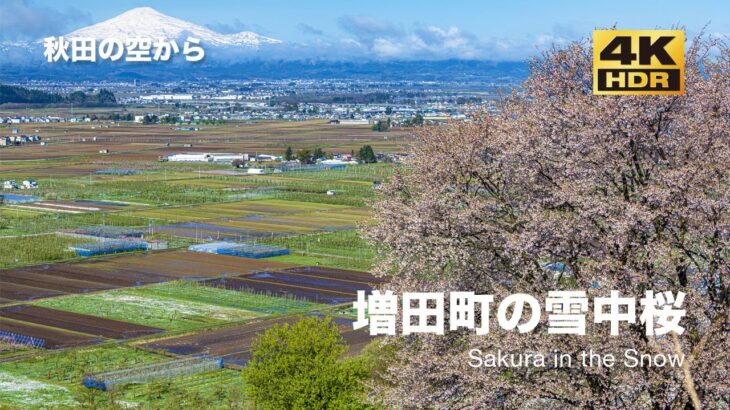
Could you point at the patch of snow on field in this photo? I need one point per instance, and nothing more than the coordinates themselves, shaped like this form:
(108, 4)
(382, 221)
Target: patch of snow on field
(186, 308)
(23, 390)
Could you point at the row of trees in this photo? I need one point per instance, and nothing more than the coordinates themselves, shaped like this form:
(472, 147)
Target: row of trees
(305, 156)
(365, 154)
(22, 95)
(387, 124)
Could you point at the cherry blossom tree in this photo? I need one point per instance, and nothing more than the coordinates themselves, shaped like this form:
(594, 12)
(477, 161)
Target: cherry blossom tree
(627, 193)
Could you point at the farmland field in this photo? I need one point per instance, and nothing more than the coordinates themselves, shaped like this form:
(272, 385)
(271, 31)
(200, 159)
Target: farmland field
(343, 249)
(155, 311)
(135, 142)
(75, 322)
(177, 306)
(33, 282)
(315, 284)
(33, 249)
(56, 376)
(53, 338)
(120, 311)
(233, 344)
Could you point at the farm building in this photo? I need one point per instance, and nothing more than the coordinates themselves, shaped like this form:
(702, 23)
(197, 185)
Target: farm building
(10, 184)
(266, 158)
(190, 157)
(338, 162)
(228, 157)
(205, 157)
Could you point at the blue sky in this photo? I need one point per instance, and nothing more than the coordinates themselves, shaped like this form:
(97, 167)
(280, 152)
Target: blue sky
(502, 30)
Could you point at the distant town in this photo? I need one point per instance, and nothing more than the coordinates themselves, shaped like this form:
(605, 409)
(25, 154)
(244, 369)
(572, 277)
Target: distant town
(354, 102)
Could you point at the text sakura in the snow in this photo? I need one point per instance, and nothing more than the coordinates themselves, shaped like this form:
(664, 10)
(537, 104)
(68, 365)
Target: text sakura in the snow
(133, 50)
(424, 312)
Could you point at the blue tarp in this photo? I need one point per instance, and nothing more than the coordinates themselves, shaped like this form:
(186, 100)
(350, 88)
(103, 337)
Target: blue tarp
(17, 199)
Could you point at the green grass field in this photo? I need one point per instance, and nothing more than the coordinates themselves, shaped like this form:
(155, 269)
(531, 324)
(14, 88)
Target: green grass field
(25, 250)
(194, 292)
(161, 312)
(52, 380)
(177, 305)
(339, 249)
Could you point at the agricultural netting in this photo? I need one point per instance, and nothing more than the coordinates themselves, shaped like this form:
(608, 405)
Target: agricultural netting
(313, 167)
(118, 171)
(106, 231)
(151, 372)
(22, 340)
(105, 247)
(244, 250)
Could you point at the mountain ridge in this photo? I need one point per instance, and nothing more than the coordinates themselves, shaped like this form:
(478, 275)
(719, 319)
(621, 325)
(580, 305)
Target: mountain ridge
(147, 22)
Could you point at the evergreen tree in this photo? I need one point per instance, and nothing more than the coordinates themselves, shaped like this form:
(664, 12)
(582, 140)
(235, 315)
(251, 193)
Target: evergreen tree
(367, 155)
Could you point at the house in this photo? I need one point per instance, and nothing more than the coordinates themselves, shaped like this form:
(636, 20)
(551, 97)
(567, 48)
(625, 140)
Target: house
(338, 162)
(360, 121)
(10, 184)
(29, 184)
(5, 141)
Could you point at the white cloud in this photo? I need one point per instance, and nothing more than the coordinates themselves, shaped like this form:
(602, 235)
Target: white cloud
(384, 40)
(383, 47)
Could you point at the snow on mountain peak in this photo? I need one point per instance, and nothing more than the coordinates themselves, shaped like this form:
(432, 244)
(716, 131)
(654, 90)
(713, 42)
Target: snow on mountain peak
(147, 22)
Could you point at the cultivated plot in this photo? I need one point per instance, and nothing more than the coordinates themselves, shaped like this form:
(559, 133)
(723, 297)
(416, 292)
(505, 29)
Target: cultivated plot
(178, 305)
(53, 338)
(41, 281)
(234, 344)
(154, 311)
(315, 284)
(92, 325)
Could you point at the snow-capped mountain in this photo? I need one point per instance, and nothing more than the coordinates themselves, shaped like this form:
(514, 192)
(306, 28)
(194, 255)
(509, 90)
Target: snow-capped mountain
(147, 22)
